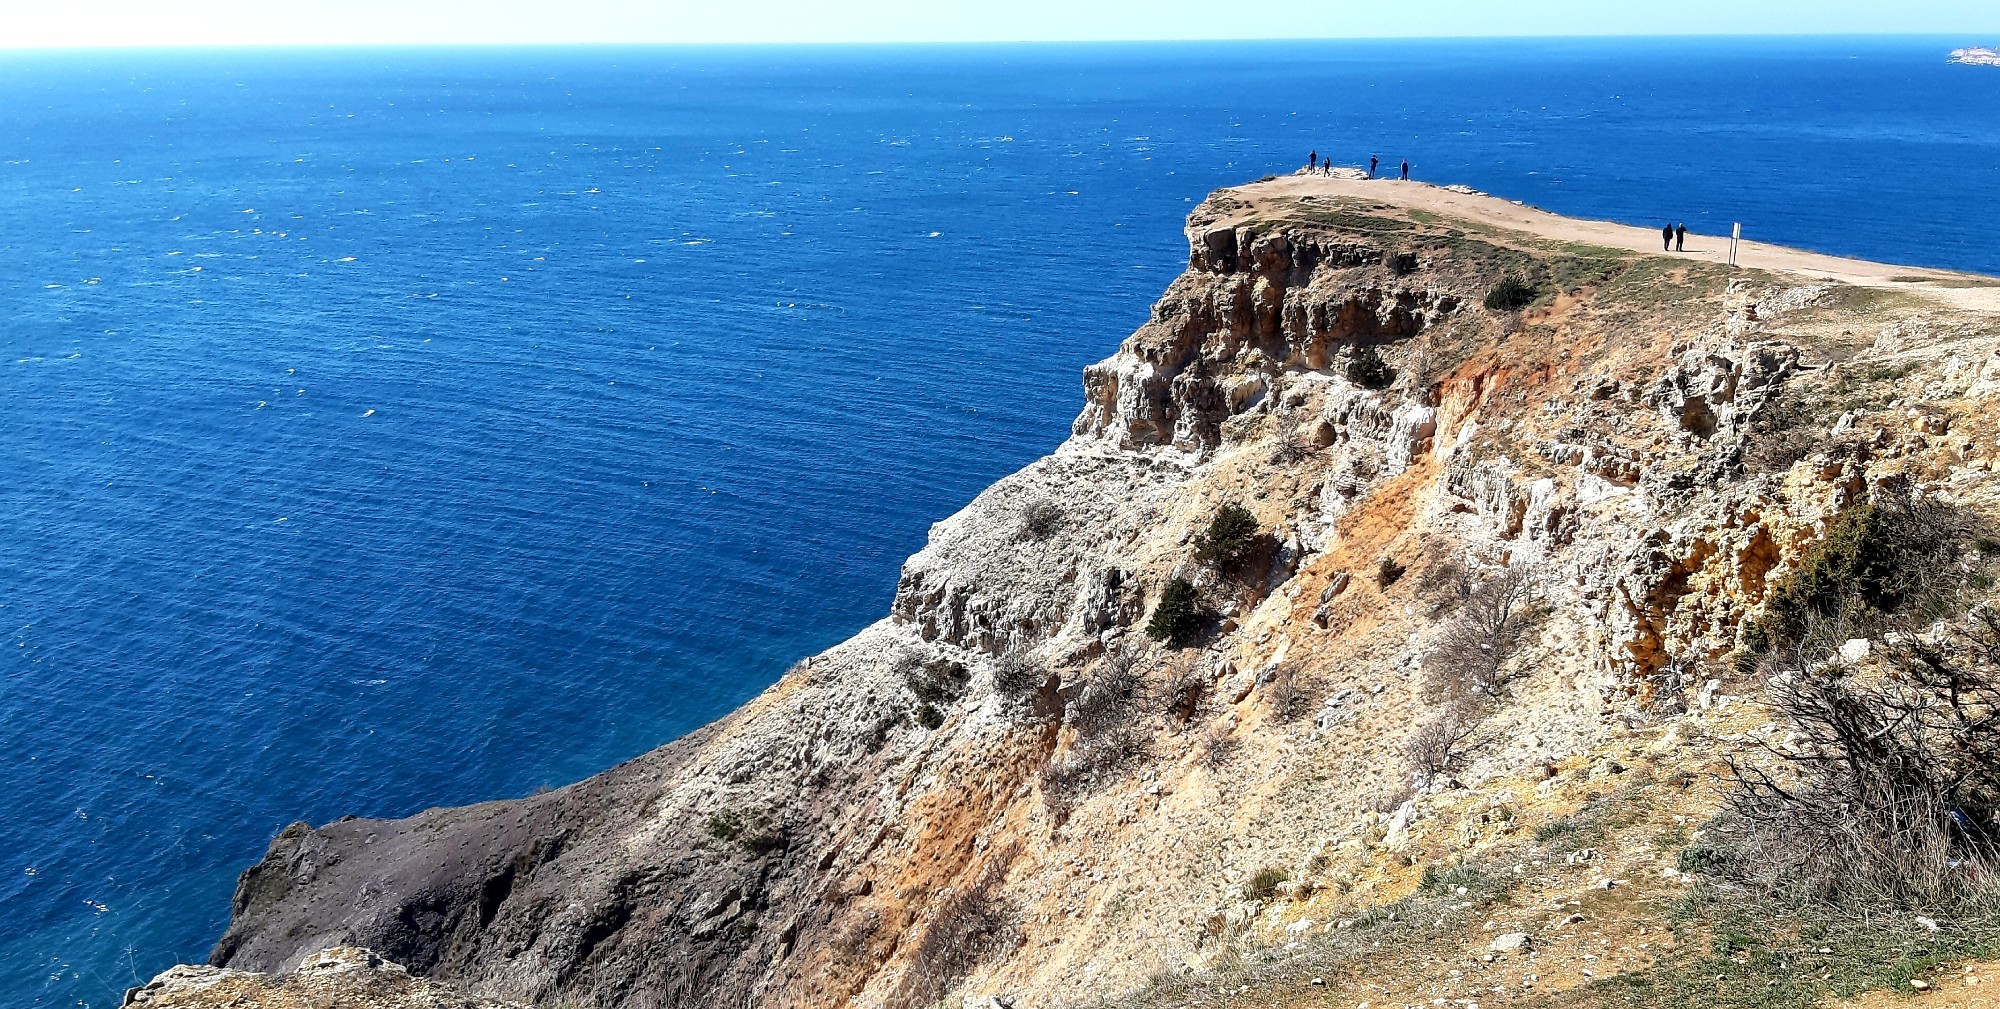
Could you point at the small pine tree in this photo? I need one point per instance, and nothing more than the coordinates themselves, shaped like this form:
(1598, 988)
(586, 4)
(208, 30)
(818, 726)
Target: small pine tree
(1367, 369)
(1176, 619)
(1230, 540)
(1511, 294)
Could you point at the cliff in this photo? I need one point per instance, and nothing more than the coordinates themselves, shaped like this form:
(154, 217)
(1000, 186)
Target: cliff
(1977, 55)
(1006, 789)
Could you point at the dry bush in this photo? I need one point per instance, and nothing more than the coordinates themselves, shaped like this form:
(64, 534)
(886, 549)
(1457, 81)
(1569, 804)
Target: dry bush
(1387, 571)
(1015, 676)
(1290, 451)
(851, 950)
(1264, 885)
(1386, 799)
(937, 684)
(1104, 712)
(1421, 370)
(933, 680)
(1218, 744)
(1179, 695)
(1889, 790)
(1785, 431)
(972, 923)
(1445, 585)
(1668, 685)
(1285, 694)
(1442, 742)
(1039, 521)
(1471, 655)
(1107, 698)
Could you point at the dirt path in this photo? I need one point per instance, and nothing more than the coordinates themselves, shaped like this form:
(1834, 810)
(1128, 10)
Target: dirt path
(1967, 291)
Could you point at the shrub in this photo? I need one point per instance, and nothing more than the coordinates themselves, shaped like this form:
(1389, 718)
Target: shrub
(971, 923)
(1446, 585)
(1290, 452)
(1040, 520)
(1105, 701)
(1102, 710)
(1785, 431)
(1511, 294)
(935, 681)
(1264, 884)
(755, 832)
(1229, 543)
(1387, 571)
(1471, 655)
(1015, 677)
(1401, 264)
(1447, 880)
(1367, 369)
(1702, 860)
(1286, 697)
(1889, 789)
(1180, 695)
(725, 826)
(1177, 618)
(1892, 554)
(1441, 742)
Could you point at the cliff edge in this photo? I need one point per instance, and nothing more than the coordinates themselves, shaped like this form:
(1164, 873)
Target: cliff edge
(1377, 633)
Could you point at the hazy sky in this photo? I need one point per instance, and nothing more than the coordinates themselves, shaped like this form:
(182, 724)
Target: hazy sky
(43, 23)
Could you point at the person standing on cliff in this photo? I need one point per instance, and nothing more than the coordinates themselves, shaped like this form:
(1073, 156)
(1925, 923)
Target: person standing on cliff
(1680, 237)
(1373, 163)
(1667, 238)
(1406, 169)
(1312, 161)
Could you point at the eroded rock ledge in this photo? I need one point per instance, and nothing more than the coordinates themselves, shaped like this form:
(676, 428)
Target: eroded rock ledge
(344, 976)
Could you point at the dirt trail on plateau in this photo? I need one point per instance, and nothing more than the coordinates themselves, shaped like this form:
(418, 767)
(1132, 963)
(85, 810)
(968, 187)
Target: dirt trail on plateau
(1960, 290)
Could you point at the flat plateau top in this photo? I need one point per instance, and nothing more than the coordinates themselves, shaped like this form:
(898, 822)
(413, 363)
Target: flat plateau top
(1966, 291)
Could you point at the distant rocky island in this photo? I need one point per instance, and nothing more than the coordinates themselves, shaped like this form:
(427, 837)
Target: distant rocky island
(1977, 55)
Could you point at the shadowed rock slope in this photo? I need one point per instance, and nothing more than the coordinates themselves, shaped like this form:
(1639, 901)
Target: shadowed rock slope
(1007, 788)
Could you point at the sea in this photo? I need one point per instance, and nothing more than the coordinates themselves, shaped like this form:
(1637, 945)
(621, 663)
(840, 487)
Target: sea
(389, 428)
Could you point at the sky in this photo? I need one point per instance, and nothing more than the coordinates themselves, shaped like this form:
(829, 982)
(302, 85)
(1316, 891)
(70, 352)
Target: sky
(36, 24)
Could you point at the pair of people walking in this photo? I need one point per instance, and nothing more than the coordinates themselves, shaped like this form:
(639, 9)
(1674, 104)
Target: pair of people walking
(1674, 238)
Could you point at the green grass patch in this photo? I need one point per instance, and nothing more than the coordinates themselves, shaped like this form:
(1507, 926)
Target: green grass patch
(1425, 924)
(1733, 951)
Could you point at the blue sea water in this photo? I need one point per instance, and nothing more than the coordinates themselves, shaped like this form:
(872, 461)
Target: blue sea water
(390, 428)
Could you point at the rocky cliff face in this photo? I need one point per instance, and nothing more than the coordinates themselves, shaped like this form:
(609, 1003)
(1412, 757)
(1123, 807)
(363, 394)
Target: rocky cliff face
(1005, 788)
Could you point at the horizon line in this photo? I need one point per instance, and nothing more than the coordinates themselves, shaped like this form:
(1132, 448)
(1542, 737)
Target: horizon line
(957, 43)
